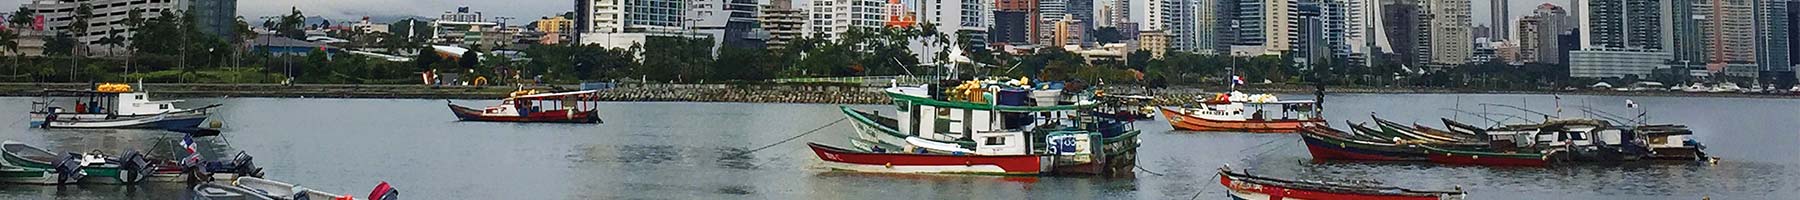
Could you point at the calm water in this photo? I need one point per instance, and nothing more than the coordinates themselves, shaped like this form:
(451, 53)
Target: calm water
(685, 151)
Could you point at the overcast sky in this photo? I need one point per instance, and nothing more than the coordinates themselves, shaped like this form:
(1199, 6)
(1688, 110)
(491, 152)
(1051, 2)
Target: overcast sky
(532, 9)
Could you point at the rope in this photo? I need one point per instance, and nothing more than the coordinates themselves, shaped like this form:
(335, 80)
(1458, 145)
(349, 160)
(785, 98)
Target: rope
(1215, 176)
(814, 130)
(1141, 168)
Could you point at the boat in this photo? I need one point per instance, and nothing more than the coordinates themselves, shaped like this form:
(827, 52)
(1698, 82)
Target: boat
(1325, 144)
(530, 106)
(1246, 113)
(1125, 107)
(1697, 88)
(1460, 157)
(281, 190)
(1672, 142)
(1725, 87)
(972, 129)
(1243, 185)
(90, 167)
(1412, 134)
(113, 106)
(226, 191)
(32, 176)
(196, 171)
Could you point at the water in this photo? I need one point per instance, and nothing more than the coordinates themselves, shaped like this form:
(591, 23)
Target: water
(690, 151)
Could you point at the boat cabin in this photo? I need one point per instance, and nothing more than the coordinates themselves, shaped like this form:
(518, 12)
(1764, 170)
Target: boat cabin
(995, 122)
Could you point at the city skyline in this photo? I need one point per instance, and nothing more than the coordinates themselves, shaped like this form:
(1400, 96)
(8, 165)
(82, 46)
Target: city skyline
(350, 9)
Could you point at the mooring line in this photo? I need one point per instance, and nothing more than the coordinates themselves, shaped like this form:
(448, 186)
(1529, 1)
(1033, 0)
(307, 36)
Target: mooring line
(1141, 168)
(1203, 185)
(814, 130)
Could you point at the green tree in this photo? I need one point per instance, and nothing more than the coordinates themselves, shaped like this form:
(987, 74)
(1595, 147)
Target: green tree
(8, 40)
(22, 18)
(469, 59)
(292, 25)
(426, 58)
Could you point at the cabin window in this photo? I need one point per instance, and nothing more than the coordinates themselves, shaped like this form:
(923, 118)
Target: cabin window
(162, 106)
(138, 97)
(903, 106)
(996, 141)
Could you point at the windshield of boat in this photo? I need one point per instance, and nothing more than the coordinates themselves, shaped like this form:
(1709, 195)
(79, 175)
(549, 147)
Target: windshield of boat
(29, 152)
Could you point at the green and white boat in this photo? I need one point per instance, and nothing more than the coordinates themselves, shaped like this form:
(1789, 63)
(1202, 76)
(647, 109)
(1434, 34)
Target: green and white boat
(73, 168)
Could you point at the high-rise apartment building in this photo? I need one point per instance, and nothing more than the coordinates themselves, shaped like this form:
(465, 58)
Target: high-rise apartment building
(1501, 29)
(783, 22)
(107, 17)
(1728, 30)
(1772, 36)
(1447, 23)
(831, 18)
(1015, 22)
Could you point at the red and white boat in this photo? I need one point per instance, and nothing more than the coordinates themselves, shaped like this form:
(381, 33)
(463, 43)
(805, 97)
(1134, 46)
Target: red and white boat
(1246, 186)
(850, 160)
(528, 106)
(1247, 113)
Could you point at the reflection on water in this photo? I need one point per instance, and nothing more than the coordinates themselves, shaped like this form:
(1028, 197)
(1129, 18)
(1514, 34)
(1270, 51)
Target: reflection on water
(677, 150)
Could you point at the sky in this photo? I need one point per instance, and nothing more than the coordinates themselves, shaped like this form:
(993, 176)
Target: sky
(532, 9)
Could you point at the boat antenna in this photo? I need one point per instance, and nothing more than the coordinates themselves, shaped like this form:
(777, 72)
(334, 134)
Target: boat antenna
(1517, 108)
(1481, 115)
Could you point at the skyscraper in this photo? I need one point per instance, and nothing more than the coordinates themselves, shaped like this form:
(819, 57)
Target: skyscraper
(1552, 21)
(1729, 31)
(834, 17)
(1501, 30)
(1686, 41)
(962, 20)
(1206, 33)
(1402, 25)
(1773, 41)
(1448, 22)
(1015, 22)
(215, 17)
(1179, 19)
(1049, 12)
(1621, 24)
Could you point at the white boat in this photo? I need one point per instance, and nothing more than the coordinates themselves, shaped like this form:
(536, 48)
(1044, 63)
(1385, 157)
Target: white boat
(1696, 87)
(287, 191)
(112, 106)
(1725, 87)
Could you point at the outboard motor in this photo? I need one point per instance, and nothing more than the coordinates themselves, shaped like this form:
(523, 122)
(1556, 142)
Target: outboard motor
(134, 167)
(244, 166)
(68, 170)
(384, 192)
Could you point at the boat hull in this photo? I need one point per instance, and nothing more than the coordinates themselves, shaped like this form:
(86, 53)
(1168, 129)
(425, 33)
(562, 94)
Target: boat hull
(1256, 191)
(1324, 149)
(1450, 158)
(1181, 121)
(168, 121)
(554, 116)
(844, 159)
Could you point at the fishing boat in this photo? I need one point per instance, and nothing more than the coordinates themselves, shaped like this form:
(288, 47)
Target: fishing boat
(280, 190)
(113, 106)
(1243, 185)
(1459, 157)
(92, 167)
(1247, 113)
(1125, 107)
(196, 171)
(980, 128)
(530, 106)
(1325, 143)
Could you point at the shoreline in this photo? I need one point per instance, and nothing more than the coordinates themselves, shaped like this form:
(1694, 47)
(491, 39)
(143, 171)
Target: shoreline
(744, 93)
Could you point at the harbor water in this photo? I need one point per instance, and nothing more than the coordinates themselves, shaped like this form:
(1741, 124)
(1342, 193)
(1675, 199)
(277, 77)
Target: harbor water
(685, 150)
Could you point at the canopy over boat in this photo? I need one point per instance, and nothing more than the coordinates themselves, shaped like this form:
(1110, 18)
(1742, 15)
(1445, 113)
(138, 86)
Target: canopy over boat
(559, 95)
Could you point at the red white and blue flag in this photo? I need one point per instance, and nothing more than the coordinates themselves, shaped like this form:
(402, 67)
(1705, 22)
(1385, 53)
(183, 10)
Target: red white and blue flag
(1237, 80)
(187, 142)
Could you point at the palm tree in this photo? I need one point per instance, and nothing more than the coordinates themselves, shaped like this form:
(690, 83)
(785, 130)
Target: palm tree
(7, 37)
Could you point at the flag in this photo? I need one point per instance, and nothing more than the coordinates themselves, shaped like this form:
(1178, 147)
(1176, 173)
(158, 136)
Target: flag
(187, 142)
(1239, 80)
(1630, 104)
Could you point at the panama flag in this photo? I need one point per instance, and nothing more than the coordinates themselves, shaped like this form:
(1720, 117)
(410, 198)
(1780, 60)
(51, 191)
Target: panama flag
(1237, 80)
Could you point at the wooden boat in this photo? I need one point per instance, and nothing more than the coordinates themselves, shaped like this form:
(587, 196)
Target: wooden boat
(1408, 133)
(113, 106)
(564, 107)
(1246, 113)
(850, 160)
(1251, 187)
(86, 168)
(1325, 143)
(280, 190)
(958, 128)
(1461, 157)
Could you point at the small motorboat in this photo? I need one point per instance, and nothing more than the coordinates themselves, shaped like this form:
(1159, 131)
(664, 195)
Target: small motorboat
(529, 106)
(1245, 186)
(280, 190)
(240, 165)
(92, 167)
(34, 176)
(224, 191)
